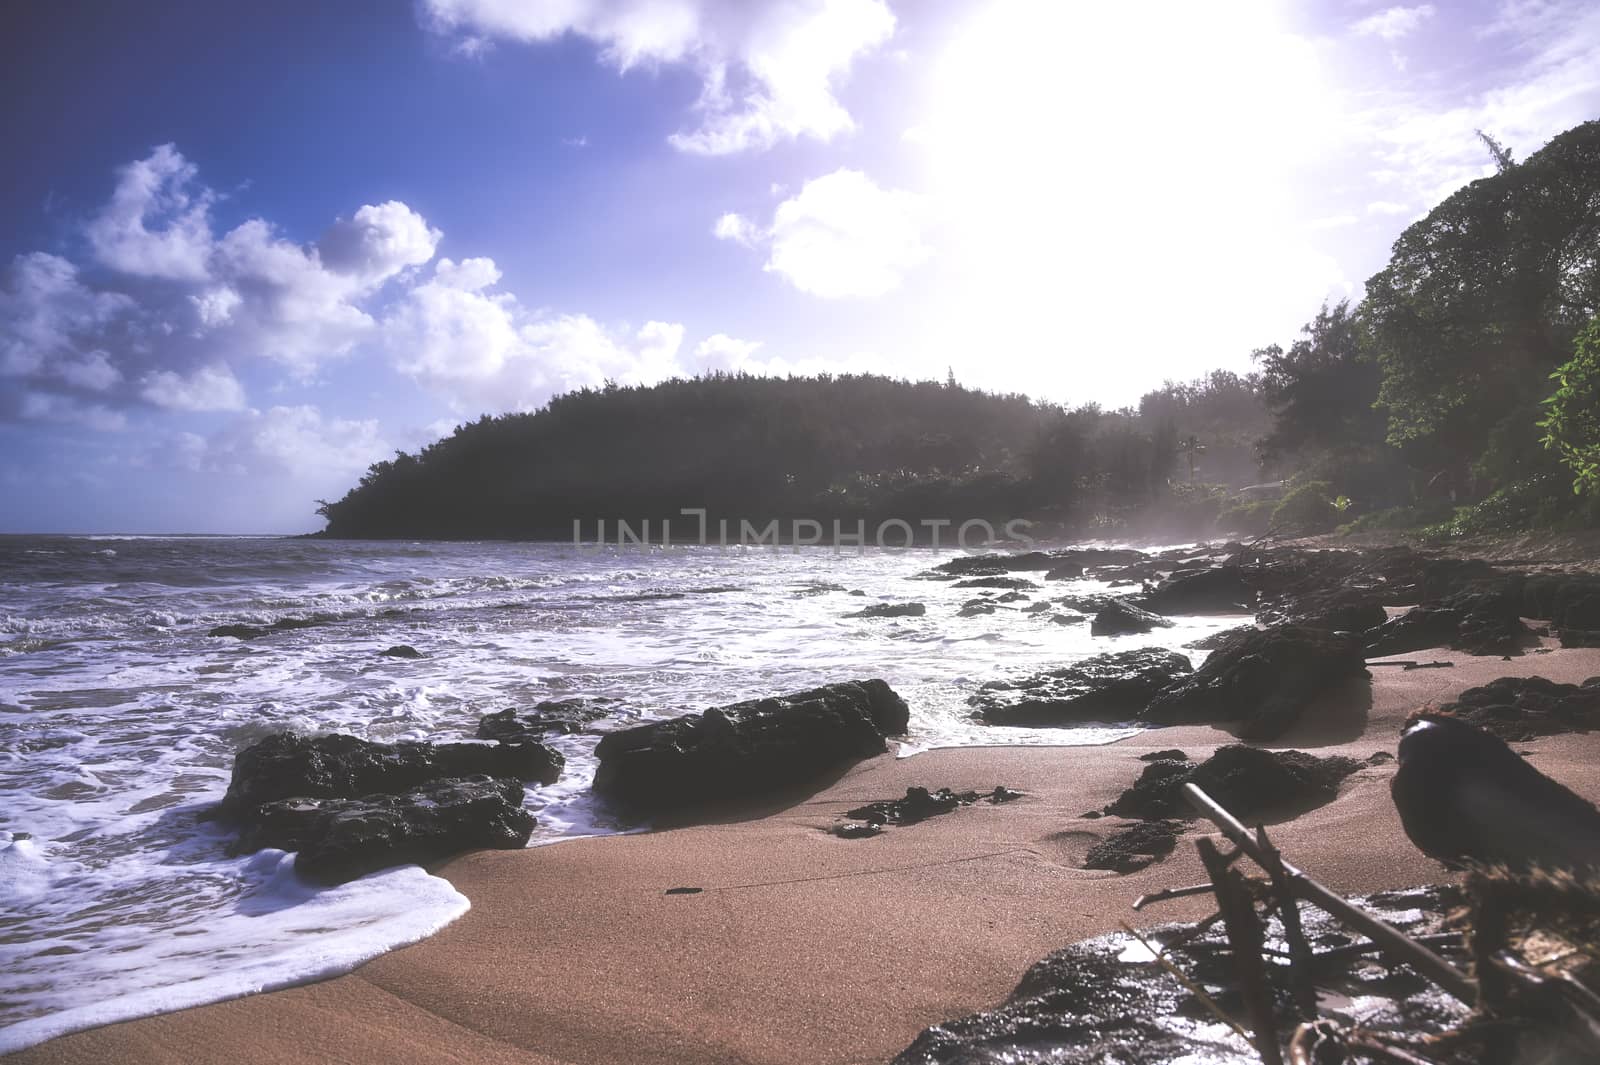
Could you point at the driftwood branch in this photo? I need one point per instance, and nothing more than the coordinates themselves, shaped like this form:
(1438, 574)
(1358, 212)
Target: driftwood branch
(1390, 940)
(1246, 937)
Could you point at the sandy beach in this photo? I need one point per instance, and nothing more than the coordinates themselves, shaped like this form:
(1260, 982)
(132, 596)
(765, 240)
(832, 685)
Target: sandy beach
(803, 947)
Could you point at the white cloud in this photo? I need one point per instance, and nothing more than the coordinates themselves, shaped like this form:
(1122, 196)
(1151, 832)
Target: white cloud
(155, 191)
(46, 312)
(1394, 23)
(378, 242)
(173, 309)
(1388, 207)
(206, 389)
(768, 72)
(737, 228)
(289, 440)
(725, 353)
(481, 349)
(839, 236)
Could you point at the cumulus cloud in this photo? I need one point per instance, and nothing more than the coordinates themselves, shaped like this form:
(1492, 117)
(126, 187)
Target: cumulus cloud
(839, 236)
(287, 440)
(1394, 23)
(207, 388)
(480, 348)
(165, 311)
(155, 225)
(769, 72)
(720, 352)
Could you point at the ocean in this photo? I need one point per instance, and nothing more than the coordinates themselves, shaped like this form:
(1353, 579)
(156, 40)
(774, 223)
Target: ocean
(119, 717)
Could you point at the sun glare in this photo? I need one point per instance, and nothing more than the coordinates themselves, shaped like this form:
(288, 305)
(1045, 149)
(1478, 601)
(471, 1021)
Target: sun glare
(1074, 151)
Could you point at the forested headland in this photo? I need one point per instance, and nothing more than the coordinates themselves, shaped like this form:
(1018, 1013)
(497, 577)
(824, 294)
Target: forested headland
(1460, 395)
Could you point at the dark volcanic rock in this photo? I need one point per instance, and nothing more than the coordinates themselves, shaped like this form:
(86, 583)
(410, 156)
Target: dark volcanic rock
(401, 650)
(891, 610)
(1263, 679)
(1109, 687)
(1134, 848)
(1207, 591)
(1246, 780)
(1219, 639)
(290, 766)
(1096, 1003)
(1067, 571)
(749, 748)
(920, 804)
(564, 716)
(1036, 561)
(1566, 600)
(976, 608)
(1521, 708)
(339, 839)
(1120, 616)
(1580, 637)
(255, 632)
(1338, 610)
(1480, 621)
(997, 582)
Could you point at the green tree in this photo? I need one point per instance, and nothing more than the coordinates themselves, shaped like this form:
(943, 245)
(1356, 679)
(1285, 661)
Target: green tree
(1480, 301)
(1572, 414)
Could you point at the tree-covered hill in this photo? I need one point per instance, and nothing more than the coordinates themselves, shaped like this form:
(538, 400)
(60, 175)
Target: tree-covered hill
(757, 448)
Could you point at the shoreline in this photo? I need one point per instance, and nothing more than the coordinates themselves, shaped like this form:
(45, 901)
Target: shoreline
(802, 946)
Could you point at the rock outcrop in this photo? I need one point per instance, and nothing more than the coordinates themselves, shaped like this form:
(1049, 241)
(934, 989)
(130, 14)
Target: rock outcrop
(1214, 590)
(286, 765)
(1522, 708)
(749, 748)
(340, 839)
(1108, 687)
(1247, 781)
(351, 806)
(1119, 617)
(1479, 620)
(1262, 679)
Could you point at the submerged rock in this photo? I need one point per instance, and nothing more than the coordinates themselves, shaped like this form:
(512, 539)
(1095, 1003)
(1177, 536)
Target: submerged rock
(286, 765)
(401, 650)
(1263, 679)
(1135, 847)
(1119, 617)
(1522, 708)
(564, 716)
(997, 582)
(1106, 1000)
(749, 748)
(1246, 780)
(1464, 797)
(891, 610)
(1108, 687)
(255, 632)
(339, 839)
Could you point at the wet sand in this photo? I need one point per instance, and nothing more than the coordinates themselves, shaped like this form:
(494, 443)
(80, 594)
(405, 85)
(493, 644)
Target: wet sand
(802, 947)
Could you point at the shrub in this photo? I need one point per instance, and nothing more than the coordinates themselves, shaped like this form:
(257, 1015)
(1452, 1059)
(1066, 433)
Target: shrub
(1306, 510)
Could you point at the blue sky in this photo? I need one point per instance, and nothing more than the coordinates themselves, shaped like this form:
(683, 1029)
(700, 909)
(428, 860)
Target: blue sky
(250, 249)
